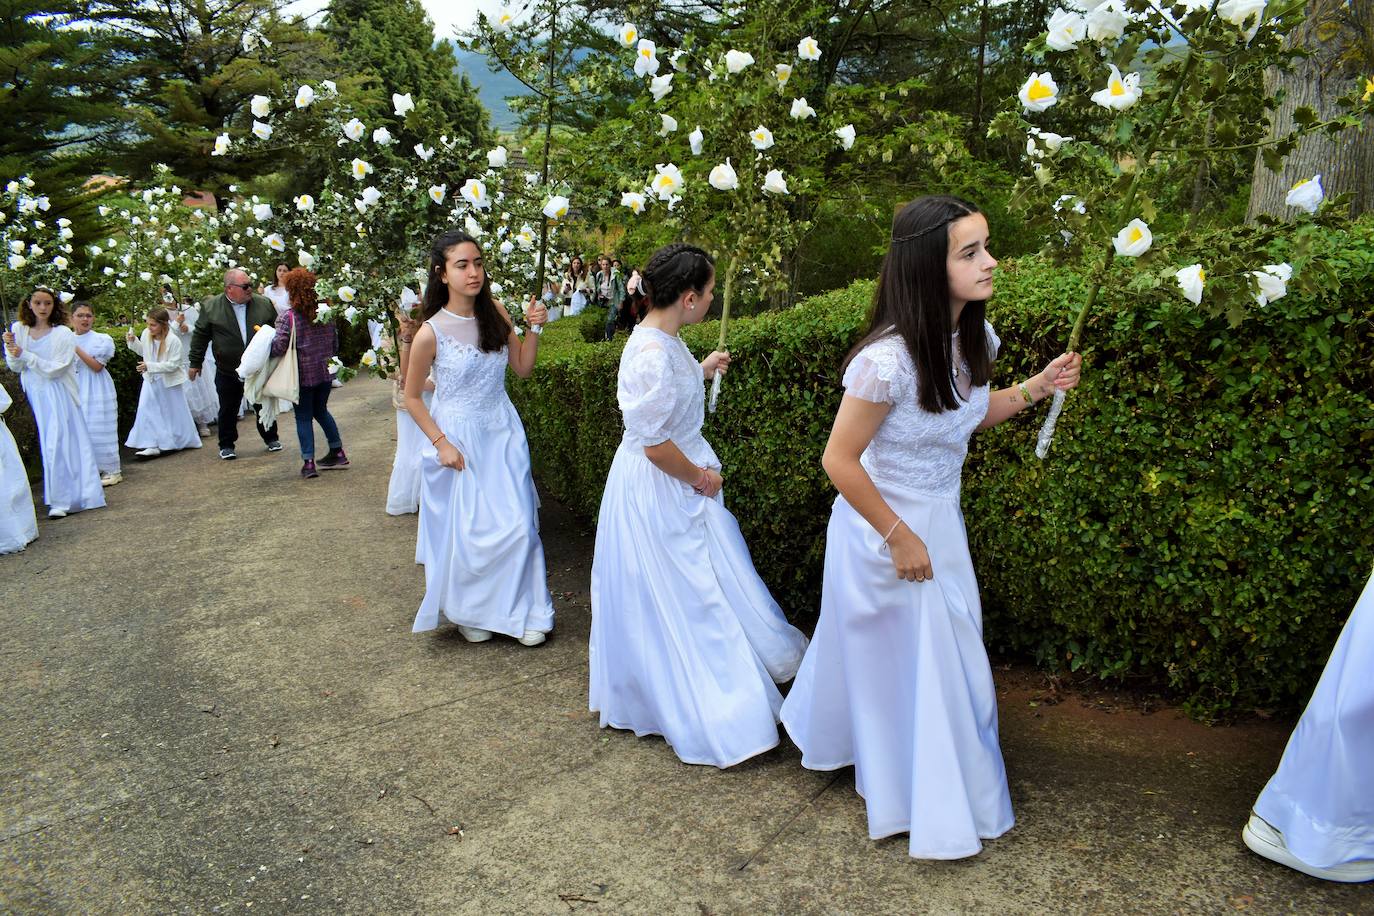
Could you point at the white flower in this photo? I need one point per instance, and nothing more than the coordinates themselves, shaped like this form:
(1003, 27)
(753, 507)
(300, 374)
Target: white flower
(1065, 30)
(350, 315)
(221, 149)
(67, 233)
(761, 137)
(105, 211)
(305, 203)
(424, 153)
(12, 187)
(371, 195)
(808, 49)
(1190, 281)
(262, 130)
(846, 135)
(695, 139)
(304, 258)
(783, 72)
(1306, 194)
(801, 111)
(735, 61)
(475, 193)
(402, 103)
(497, 158)
(1271, 282)
(774, 183)
(556, 207)
(1108, 21)
(347, 293)
(1039, 92)
(330, 87)
(1244, 14)
(260, 106)
(96, 251)
(17, 246)
(60, 262)
(646, 58)
(360, 169)
(304, 96)
(368, 359)
(381, 136)
(17, 261)
(354, 129)
(504, 20)
(274, 241)
(676, 60)
(634, 201)
(723, 177)
(437, 192)
(1039, 141)
(1133, 240)
(660, 86)
(66, 297)
(507, 247)
(669, 124)
(525, 237)
(628, 35)
(145, 276)
(473, 227)
(262, 212)
(1120, 91)
(667, 182)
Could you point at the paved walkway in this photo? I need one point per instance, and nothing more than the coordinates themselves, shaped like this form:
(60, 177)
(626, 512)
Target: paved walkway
(221, 708)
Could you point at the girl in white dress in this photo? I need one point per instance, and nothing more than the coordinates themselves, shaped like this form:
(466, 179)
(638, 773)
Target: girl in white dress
(201, 396)
(42, 350)
(96, 391)
(163, 422)
(1317, 813)
(281, 299)
(479, 514)
(897, 681)
(686, 641)
(18, 524)
(403, 490)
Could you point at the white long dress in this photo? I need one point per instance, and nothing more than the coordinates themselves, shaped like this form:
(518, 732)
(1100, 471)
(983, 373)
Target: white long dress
(99, 406)
(164, 420)
(479, 527)
(897, 681)
(403, 491)
(71, 481)
(686, 641)
(201, 396)
(281, 299)
(1322, 796)
(18, 524)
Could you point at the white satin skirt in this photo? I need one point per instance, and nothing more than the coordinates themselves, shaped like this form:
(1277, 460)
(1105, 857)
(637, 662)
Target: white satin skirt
(479, 531)
(18, 524)
(71, 480)
(403, 492)
(686, 640)
(201, 396)
(164, 418)
(1322, 796)
(897, 684)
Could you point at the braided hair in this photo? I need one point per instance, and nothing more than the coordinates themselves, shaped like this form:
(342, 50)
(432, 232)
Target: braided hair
(673, 270)
(493, 327)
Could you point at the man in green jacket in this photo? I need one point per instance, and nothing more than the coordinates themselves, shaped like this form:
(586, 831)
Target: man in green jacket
(229, 320)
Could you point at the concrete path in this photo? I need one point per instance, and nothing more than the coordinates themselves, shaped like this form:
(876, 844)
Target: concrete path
(224, 710)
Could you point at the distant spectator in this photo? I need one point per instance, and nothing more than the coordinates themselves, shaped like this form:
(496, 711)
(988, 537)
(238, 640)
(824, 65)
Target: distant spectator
(315, 345)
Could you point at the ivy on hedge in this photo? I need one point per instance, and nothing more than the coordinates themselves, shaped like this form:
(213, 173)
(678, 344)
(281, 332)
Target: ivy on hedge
(1202, 518)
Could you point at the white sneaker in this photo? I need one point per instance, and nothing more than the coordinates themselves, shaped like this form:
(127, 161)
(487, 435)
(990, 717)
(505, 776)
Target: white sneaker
(203, 430)
(474, 634)
(109, 480)
(149, 453)
(532, 638)
(55, 512)
(1264, 840)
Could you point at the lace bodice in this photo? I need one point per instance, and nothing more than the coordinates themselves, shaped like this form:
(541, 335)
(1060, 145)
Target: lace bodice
(914, 449)
(469, 385)
(662, 395)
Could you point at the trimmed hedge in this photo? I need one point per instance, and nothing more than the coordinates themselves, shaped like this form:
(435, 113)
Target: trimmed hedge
(1202, 519)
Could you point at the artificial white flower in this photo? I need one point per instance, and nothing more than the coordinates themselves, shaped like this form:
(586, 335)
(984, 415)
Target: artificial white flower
(676, 60)
(350, 315)
(96, 251)
(497, 158)
(660, 86)
(17, 246)
(801, 111)
(761, 137)
(1039, 92)
(1038, 142)
(668, 126)
(402, 103)
(634, 200)
(437, 192)
(1120, 92)
(808, 49)
(1306, 194)
(475, 193)
(1244, 14)
(304, 258)
(354, 129)
(221, 149)
(628, 35)
(305, 203)
(1190, 281)
(556, 207)
(774, 183)
(260, 106)
(275, 242)
(304, 96)
(735, 61)
(525, 237)
(1065, 29)
(646, 58)
(695, 139)
(723, 177)
(424, 153)
(146, 276)
(371, 195)
(360, 169)
(324, 313)
(368, 359)
(1108, 21)
(105, 211)
(1271, 282)
(783, 73)
(504, 20)
(347, 293)
(16, 261)
(846, 135)
(262, 130)
(66, 297)
(381, 136)
(60, 262)
(507, 247)
(472, 227)
(1133, 240)
(262, 212)
(667, 182)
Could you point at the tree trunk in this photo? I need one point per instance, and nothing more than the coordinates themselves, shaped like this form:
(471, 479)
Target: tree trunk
(1346, 161)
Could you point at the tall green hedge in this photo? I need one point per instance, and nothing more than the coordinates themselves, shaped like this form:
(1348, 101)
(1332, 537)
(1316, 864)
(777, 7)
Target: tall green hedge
(1202, 518)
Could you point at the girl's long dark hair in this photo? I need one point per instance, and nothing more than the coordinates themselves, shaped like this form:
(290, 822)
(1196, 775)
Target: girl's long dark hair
(493, 328)
(912, 299)
(673, 270)
(59, 310)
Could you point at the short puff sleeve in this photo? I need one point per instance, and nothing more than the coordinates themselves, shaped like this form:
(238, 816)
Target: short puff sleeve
(645, 394)
(874, 374)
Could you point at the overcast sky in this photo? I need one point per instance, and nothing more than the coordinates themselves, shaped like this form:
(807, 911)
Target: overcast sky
(447, 15)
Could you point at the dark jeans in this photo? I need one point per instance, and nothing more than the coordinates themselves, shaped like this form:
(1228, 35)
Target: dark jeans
(229, 387)
(314, 406)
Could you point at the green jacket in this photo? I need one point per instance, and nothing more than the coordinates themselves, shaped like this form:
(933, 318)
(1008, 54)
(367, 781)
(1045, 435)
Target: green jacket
(218, 323)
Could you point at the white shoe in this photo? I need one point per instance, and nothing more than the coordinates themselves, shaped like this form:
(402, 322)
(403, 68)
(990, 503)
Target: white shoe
(149, 453)
(1264, 840)
(474, 634)
(335, 383)
(203, 430)
(109, 480)
(55, 512)
(532, 638)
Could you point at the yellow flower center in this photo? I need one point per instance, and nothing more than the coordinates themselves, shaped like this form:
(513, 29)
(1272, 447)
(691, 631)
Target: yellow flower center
(631, 35)
(1136, 235)
(1201, 276)
(1117, 88)
(1368, 89)
(644, 53)
(1038, 91)
(1301, 183)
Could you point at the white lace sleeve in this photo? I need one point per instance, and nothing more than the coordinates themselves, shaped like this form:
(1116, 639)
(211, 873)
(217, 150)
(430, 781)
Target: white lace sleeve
(873, 375)
(645, 393)
(994, 342)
